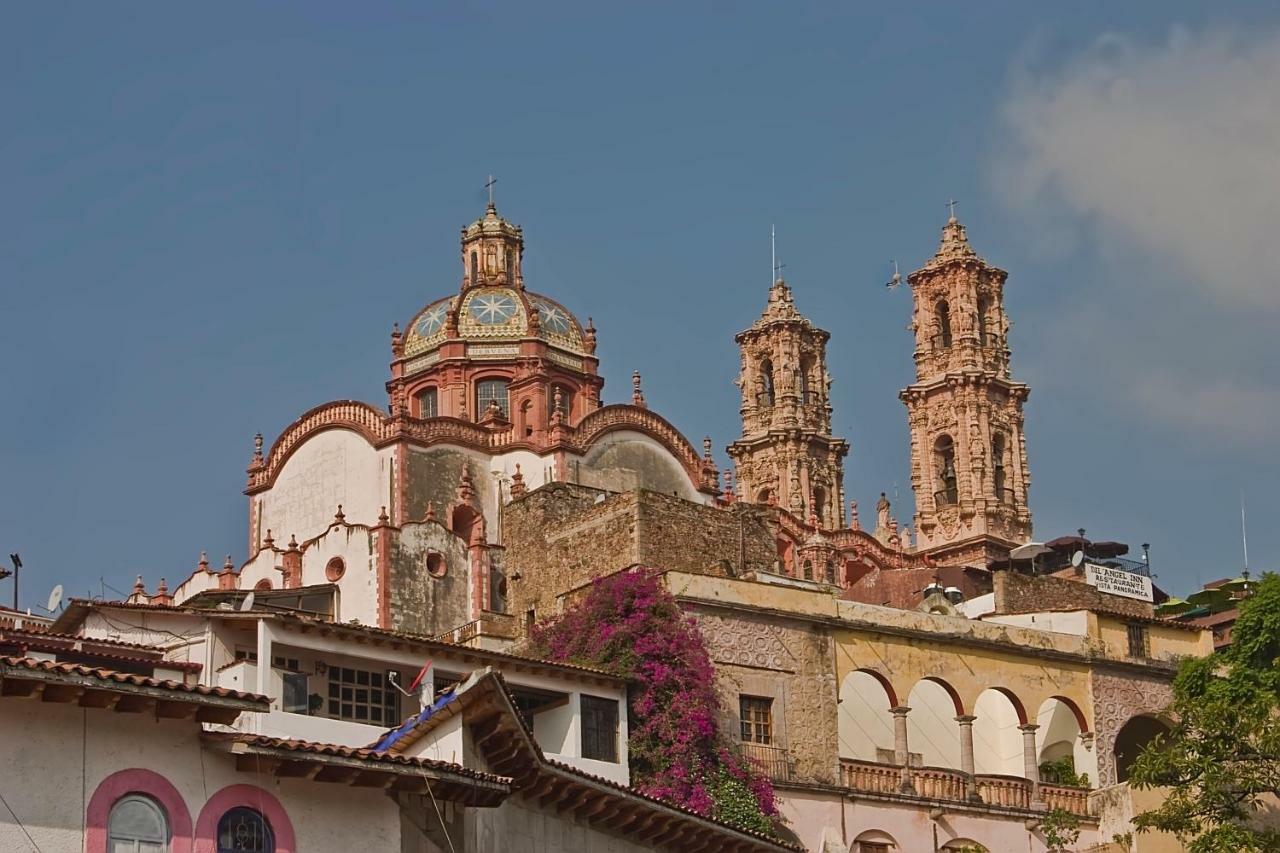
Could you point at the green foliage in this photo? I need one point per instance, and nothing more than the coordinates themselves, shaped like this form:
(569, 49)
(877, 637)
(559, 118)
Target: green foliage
(1063, 772)
(1061, 828)
(736, 803)
(1222, 756)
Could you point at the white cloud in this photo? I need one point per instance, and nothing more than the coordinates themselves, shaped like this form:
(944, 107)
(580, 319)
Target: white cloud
(1174, 148)
(1166, 159)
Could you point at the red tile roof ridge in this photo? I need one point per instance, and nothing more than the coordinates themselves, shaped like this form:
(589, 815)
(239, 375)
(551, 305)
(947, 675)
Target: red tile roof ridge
(36, 632)
(35, 665)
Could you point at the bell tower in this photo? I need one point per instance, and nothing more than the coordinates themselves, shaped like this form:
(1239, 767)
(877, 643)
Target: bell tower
(786, 454)
(968, 452)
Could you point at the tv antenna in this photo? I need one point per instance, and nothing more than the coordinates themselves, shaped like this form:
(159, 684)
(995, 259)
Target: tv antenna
(895, 279)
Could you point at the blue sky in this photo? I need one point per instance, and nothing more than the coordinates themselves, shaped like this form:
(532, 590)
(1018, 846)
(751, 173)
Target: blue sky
(212, 216)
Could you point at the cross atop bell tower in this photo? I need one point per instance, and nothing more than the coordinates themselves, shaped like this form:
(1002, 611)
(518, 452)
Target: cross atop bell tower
(786, 454)
(968, 452)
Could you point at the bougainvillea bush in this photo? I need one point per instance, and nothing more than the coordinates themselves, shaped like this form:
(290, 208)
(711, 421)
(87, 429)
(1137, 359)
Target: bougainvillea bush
(629, 625)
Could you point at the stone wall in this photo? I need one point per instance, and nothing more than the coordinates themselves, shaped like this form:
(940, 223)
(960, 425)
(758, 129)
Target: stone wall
(1018, 593)
(789, 662)
(422, 602)
(1117, 698)
(561, 536)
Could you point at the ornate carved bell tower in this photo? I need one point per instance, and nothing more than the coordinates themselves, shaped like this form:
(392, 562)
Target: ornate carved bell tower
(968, 453)
(786, 454)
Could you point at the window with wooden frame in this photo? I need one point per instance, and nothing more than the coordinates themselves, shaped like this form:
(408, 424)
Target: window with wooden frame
(1138, 641)
(756, 716)
(599, 728)
(361, 696)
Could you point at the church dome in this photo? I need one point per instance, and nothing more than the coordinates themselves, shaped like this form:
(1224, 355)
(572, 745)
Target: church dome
(495, 314)
(494, 305)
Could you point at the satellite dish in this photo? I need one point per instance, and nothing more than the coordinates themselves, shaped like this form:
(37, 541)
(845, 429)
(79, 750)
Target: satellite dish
(55, 598)
(247, 604)
(1077, 558)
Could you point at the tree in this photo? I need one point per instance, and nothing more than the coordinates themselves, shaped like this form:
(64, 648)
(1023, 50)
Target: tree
(1221, 760)
(628, 624)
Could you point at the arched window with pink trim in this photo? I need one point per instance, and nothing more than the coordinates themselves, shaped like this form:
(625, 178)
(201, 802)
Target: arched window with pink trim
(138, 811)
(244, 815)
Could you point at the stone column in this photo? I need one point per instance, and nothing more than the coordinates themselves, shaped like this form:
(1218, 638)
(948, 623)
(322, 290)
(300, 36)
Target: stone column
(901, 751)
(1031, 767)
(966, 755)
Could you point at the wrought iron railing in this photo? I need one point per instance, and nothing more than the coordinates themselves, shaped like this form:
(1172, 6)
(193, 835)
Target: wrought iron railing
(774, 760)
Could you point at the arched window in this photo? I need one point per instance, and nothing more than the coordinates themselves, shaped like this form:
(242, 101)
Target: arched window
(492, 390)
(511, 265)
(942, 312)
(808, 570)
(984, 308)
(830, 572)
(820, 505)
(766, 383)
(807, 394)
(475, 266)
(428, 403)
(997, 467)
(137, 825)
(242, 830)
(944, 471)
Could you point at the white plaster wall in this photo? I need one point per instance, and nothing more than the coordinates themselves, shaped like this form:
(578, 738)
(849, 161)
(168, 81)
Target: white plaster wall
(864, 723)
(358, 587)
(333, 467)
(997, 743)
(932, 730)
(1057, 725)
(1068, 622)
(516, 827)
(446, 742)
(816, 817)
(66, 751)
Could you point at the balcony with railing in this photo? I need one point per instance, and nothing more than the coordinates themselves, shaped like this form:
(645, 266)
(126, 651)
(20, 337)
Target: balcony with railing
(948, 785)
(773, 760)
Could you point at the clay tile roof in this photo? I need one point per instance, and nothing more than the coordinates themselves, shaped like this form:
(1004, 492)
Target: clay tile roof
(312, 748)
(14, 667)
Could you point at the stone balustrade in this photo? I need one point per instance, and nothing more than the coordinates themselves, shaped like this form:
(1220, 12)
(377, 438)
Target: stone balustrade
(941, 783)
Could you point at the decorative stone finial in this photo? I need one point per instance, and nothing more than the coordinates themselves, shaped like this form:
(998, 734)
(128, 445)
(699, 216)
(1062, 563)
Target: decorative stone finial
(397, 341)
(637, 396)
(729, 486)
(162, 588)
(518, 488)
(139, 588)
(383, 518)
(466, 489)
(431, 512)
(339, 517)
(293, 545)
(706, 449)
(270, 542)
(227, 565)
(258, 460)
(203, 565)
(955, 242)
(557, 407)
(854, 524)
(589, 337)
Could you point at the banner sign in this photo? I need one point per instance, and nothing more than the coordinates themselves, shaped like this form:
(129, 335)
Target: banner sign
(1118, 582)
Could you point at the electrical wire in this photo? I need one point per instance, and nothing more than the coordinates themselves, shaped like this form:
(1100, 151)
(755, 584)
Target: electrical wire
(439, 816)
(34, 846)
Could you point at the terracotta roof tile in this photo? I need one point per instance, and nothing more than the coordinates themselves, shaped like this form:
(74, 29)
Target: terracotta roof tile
(127, 678)
(360, 753)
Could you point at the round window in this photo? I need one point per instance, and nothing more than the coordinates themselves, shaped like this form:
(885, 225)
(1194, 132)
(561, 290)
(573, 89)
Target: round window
(435, 564)
(335, 569)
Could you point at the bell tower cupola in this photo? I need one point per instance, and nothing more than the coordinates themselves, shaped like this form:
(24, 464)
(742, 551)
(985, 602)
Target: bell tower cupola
(492, 252)
(786, 454)
(968, 452)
